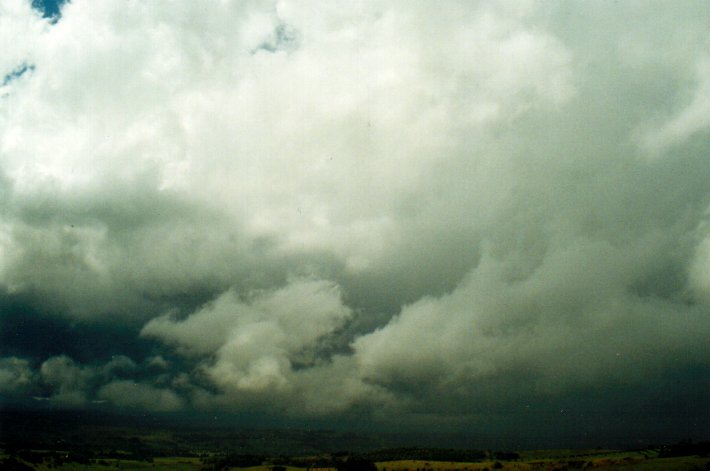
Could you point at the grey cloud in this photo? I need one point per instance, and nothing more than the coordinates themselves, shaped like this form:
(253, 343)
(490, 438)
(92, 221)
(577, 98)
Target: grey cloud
(67, 382)
(692, 119)
(119, 366)
(549, 333)
(130, 394)
(157, 362)
(16, 376)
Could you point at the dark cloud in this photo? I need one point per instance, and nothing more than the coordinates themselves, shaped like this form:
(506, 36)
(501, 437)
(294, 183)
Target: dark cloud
(29, 333)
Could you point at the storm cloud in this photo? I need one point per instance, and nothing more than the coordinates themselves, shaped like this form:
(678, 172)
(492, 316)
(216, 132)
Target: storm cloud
(474, 216)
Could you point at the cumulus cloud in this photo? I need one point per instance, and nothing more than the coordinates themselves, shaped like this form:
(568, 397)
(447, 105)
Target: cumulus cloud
(119, 366)
(381, 206)
(21, 25)
(555, 330)
(123, 192)
(301, 312)
(266, 343)
(67, 382)
(16, 376)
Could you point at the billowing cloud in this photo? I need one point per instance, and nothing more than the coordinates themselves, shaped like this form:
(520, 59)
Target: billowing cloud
(123, 193)
(16, 376)
(391, 210)
(22, 26)
(67, 382)
(295, 318)
(275, 342)
(549, 332)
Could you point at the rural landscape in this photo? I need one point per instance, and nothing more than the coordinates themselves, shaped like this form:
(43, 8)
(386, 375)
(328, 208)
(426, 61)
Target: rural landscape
(78, 441)
(291, 235)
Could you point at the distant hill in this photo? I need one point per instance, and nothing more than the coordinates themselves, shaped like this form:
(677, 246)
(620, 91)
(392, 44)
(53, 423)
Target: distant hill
(98, 430)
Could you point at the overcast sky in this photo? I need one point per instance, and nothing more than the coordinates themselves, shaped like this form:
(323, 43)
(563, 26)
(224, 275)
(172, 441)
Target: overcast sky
(481, 217)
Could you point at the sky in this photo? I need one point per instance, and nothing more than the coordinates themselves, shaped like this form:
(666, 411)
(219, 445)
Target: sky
(475, 217)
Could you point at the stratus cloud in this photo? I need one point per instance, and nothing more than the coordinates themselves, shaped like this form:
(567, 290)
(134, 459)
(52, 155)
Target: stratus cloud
(691, 120)
(699, 270)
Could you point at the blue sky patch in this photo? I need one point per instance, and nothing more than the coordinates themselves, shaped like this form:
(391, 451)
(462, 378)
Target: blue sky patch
(49, 8)
(17, 73)
(285, 38)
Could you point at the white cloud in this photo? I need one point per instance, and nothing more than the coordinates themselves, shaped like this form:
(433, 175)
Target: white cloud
(314, 149)
(303, 311)
(21, 26)
(256, 341)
